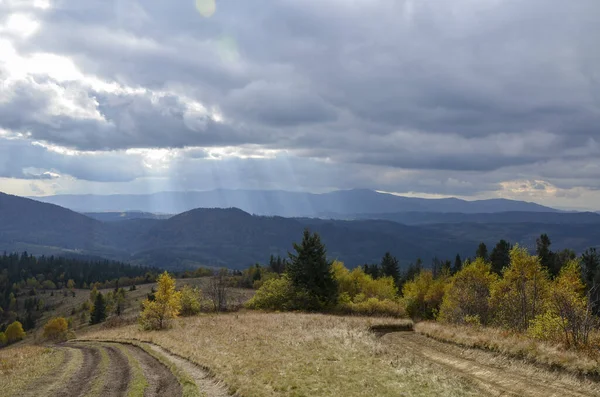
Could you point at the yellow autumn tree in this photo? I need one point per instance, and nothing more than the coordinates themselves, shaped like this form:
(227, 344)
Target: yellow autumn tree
(423, 295)
(14, 332)
(56, 329)
(521, 294)
(467, 294)
(568, 317)
(157, 313)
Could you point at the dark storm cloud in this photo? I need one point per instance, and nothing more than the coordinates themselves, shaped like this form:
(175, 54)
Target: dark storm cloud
(444, 89)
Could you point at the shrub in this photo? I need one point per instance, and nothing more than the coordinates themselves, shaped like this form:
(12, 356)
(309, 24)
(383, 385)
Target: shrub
(468, 293)
(56, 329)
(373, 306)
(359, 293)
(14, 332)
(157, 313)
(357, 282)
(275, 294)
(190, 301)
(546, 326)
(3, 339)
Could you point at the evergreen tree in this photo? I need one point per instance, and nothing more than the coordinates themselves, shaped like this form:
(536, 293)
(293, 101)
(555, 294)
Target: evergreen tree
(99, 310)
(458, 264)
(311, 275)
(372, 270)
(542, 249)
(482, 252)
(590, 261)
(389, 267)
(500, 256)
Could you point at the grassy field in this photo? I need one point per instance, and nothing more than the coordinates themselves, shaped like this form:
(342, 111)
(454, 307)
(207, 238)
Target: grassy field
(63, 306)
(513, 345)
(20, 364)
(293, 354)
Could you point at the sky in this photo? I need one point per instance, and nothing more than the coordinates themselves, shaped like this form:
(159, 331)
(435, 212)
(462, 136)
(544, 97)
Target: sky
(467, 98)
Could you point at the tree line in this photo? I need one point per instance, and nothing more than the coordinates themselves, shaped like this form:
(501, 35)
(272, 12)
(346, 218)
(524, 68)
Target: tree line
(547, 295)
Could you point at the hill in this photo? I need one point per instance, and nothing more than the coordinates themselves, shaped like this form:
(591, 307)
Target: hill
(236, 239)
(424, 218)
(46, 228)
(123, 216)
(336, 204)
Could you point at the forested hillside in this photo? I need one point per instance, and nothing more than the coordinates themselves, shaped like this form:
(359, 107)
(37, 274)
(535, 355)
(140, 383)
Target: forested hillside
(23, 277)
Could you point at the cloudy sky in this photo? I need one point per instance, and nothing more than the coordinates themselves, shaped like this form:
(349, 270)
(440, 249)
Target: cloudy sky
(468, 98)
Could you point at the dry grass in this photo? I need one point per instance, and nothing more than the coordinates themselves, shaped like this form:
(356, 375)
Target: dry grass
(63, 305)
(514, 345)
(23, 364)
(292, 354)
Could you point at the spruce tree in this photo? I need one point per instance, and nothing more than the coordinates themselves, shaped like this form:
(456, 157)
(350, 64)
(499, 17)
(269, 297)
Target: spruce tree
(99, 310)
(389, 267)
(482, 252)
(458, 264)
(500, 257)
(310, 274)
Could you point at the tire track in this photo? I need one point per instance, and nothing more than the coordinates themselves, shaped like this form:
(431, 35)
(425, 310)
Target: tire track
(161, 382)
(80, 382)
(491, 379)
(118, 375)
(206, 384)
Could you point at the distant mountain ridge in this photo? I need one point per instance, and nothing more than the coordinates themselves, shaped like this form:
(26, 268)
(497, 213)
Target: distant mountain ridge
(288, 204)
(236, 239)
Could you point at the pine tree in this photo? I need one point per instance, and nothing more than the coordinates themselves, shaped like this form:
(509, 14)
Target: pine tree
(482, 252)
(389, 267)
(500, 257)
(542, 249)
(311, 275)
(99, 310)
(458, 264)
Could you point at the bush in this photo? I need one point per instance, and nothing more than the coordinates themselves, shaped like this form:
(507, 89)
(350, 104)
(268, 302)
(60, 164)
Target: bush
(356, 282)
(373, 306)
(275, 294)
(56, 329)
(14, 332)
(190, 301)
(3, 339)
(546, 326)
(359, 293)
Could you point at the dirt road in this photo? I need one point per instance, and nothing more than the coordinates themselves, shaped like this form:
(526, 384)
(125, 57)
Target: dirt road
(494, 374)
(93, 369)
